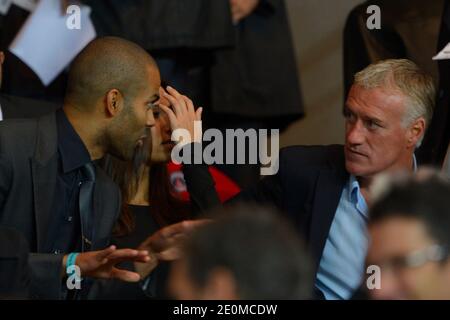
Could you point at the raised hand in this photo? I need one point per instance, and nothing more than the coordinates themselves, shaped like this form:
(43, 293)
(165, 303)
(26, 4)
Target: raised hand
(182, 115)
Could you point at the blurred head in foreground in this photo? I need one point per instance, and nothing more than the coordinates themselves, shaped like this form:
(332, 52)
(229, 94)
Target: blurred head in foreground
(247, 253)
(409, 230)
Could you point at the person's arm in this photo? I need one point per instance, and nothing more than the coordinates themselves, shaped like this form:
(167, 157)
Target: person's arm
(199, 182)
(45, 269)
(15, 274)
(267, 191)
(163, 245)
(48, 271)
(201, 187)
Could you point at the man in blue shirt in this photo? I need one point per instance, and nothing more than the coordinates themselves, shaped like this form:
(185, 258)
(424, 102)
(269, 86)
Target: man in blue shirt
(325, 190)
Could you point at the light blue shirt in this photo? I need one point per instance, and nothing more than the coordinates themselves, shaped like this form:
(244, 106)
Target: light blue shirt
(342, 264)
(341, 268)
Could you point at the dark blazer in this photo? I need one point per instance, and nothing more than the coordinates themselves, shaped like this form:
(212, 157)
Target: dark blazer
(28, 169)
(307, 188)
(14, 270)
(18, 107)
(437, 138)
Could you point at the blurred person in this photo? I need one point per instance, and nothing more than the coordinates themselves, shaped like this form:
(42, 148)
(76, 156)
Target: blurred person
(18, 107)
(409, 242)
(325, 189)
(51, 189)
(248, 252)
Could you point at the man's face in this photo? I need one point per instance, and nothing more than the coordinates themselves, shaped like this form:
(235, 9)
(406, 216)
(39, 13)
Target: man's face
(375, 138)
(162, 144)
(394, 239)
(131, 126)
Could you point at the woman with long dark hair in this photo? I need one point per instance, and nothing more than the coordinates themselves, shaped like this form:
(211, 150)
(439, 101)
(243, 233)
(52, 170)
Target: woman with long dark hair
(149, 201)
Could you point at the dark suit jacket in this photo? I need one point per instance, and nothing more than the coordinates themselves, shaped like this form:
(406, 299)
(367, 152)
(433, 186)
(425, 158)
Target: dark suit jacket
(28, 169)
(18, 107)
(14, 270)
(307, 188)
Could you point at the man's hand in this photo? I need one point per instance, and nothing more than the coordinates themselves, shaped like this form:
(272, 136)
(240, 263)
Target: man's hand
(102, 264)
(165, 244)
(240, 9)
(182, 115)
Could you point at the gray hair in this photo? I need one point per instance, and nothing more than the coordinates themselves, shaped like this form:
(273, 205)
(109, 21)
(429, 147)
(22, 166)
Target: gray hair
(405, 76)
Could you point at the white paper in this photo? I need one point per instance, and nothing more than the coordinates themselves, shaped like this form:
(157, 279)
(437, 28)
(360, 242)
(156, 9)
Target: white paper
(444, 54)
(4, 6)
(46, 44)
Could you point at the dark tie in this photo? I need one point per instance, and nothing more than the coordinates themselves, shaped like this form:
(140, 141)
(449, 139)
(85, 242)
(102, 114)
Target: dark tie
(86, 205)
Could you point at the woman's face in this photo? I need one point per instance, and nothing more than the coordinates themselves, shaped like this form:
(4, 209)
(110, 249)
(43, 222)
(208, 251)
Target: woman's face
(162, 144)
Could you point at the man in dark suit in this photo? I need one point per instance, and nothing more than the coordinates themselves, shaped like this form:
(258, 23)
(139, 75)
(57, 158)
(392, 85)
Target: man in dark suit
(14, 270)
(324, 190)
(50, 187)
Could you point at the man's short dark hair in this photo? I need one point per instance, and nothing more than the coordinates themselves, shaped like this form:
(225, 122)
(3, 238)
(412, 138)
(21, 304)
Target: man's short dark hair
(262, 252)
(426, 200)
(107, 63)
